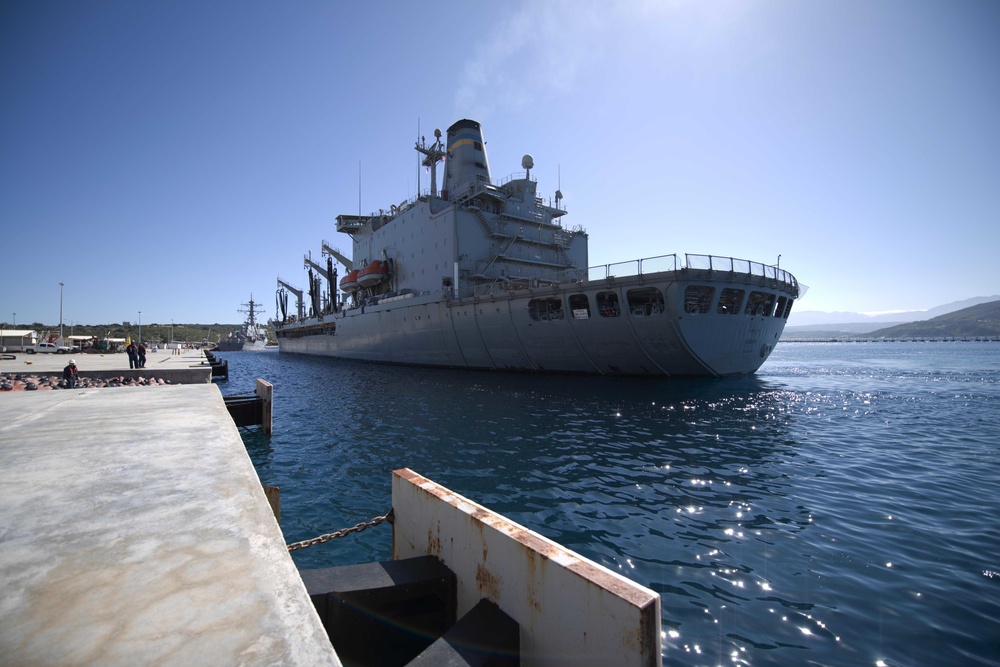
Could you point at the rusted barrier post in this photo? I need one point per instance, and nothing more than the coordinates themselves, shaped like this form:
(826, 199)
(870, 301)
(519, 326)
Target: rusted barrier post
(265, 392)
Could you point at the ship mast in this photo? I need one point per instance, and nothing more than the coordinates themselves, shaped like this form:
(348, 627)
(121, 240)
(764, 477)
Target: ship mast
(433, 155)
(251, 312)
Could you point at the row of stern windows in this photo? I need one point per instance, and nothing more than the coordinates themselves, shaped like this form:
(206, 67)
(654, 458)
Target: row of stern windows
(650, 302)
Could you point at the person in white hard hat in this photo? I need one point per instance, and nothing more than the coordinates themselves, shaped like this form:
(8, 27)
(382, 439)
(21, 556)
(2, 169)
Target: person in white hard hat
(70, 374)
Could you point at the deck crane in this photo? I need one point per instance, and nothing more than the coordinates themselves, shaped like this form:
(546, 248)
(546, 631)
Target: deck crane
(330, 251)
(282, 297)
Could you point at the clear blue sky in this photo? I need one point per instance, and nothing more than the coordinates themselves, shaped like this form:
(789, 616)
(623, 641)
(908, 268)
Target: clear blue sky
(173, 157)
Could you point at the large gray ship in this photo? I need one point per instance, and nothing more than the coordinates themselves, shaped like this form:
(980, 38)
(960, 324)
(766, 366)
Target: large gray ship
(251, 335)
(484, 274)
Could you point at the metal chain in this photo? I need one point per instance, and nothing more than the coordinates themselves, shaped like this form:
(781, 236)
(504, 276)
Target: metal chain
(343, 532)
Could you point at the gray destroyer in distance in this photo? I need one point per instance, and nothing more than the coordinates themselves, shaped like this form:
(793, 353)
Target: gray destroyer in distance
(483, 274)
(251, 335)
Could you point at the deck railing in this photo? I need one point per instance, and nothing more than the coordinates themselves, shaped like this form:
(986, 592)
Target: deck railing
(658, 264)
(744, 266)
(712, 264)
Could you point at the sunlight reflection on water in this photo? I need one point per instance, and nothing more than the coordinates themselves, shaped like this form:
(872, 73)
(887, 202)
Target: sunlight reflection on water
(838, 507)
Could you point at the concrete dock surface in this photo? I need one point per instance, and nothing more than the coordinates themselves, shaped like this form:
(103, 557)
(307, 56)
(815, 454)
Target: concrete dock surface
(133, 530)
(189, 367)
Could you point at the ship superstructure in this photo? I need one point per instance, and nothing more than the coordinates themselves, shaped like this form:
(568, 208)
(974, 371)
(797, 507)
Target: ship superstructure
(483, 274)
(251, 336)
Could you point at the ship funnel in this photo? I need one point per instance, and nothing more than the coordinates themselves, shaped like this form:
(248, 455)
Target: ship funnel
(466, 164)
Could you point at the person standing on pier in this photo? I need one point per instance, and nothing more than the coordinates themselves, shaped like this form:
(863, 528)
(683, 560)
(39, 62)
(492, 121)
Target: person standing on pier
(70, 374)
(133, 355)
(141, 350)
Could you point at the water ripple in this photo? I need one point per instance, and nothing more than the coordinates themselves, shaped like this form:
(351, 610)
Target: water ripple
(839, 508)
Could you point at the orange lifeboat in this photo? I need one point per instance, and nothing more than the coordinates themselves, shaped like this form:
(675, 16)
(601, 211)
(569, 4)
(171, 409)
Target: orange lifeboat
(373, 274)
(349, 283)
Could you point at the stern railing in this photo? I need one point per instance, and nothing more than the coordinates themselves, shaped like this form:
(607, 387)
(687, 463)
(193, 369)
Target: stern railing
(711, 264)
(694, 265)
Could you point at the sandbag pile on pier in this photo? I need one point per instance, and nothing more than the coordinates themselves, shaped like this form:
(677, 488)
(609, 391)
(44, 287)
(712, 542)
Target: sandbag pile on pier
(22, 382)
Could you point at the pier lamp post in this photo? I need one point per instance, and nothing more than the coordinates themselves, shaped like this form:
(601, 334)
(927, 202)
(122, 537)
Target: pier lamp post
(171, 331)
(140, 326)
(60, 313)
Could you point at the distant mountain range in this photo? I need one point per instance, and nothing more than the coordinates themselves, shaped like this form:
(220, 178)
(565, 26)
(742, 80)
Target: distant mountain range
(979, 316)
(978, 321)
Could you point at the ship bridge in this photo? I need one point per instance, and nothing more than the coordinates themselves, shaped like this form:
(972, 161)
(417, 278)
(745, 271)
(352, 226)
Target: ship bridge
(349, 224)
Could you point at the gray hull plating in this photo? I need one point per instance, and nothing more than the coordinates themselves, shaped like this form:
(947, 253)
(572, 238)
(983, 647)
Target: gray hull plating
(499, 333)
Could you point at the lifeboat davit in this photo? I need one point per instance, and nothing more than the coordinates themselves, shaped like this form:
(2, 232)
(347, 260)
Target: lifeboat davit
(349, 283)
(373, 274)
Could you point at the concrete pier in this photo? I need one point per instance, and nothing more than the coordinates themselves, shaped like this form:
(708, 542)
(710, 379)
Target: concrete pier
(191, 367)
(134, 530)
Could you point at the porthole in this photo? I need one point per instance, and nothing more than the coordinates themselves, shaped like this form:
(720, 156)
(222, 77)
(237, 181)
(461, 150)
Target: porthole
(780, 309)
(645, 301)
(607, 304)
(730, 301)
(545, 309)
(760, 303)
(579, 305)
(698, 299)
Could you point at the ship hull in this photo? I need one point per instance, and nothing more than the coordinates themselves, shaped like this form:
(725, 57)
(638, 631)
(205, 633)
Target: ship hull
(241, 345)
(661, 336)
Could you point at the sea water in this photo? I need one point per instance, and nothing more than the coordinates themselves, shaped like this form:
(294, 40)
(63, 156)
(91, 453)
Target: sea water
(840, 507)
